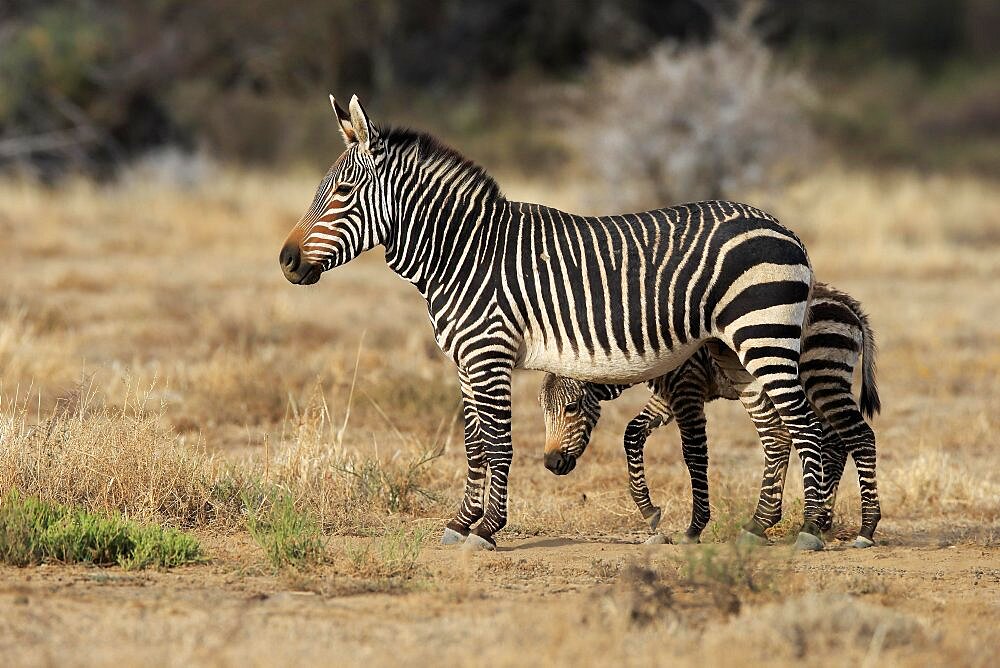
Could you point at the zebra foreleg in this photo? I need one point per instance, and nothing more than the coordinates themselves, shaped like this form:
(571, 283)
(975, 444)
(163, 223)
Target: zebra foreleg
(689, 411)
(636, 433)
(491, 389)
(471, 510)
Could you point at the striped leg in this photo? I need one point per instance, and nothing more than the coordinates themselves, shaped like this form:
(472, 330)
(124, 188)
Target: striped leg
(471, 510)
(834, 458)
(859, 440)
(490, 383)
(778, 373)
(689, 411)
(777, 446)
(636, 433)
(871, 511)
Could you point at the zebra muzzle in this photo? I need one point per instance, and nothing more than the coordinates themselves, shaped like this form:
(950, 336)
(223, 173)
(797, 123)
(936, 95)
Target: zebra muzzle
(559, 463)
(295, 268)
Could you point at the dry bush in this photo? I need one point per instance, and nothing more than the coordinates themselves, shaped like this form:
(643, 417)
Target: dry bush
(107, 458)
(691, 122)
(350, 490)
(639, 597)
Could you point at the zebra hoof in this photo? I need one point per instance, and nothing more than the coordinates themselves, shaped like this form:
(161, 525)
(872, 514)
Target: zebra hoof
(861, 542)
(657, 539)
(750, 538)
(808, 542)
(451, 537)
(684, 539)
(476, 543)
(653, 520)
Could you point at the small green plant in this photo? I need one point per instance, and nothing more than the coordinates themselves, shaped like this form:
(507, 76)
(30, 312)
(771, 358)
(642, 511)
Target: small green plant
(33, 531)
(728, 517)
(732, 566)
(288, 536)
(393, 556)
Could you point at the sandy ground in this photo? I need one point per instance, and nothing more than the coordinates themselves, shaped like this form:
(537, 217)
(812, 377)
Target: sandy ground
(535, 601)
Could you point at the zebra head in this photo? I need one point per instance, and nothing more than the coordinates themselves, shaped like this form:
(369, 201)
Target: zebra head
(571, 409)
(349, 214)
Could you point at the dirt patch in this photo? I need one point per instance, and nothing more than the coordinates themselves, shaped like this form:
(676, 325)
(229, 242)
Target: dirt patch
(534, 602)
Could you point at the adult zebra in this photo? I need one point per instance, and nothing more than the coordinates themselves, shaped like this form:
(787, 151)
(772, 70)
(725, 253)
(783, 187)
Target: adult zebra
(837, 335)
(516, 285)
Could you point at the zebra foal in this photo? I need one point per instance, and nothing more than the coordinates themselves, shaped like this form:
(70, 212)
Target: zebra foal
(838, 334)
(610, 299)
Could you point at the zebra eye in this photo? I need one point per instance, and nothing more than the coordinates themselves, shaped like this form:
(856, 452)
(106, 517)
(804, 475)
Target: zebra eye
(572, 406)
(344, 189)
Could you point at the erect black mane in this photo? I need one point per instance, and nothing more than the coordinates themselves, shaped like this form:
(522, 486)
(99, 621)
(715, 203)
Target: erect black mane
(432, 149)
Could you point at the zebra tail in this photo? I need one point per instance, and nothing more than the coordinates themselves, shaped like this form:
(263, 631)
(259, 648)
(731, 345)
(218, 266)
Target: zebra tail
(871, 405)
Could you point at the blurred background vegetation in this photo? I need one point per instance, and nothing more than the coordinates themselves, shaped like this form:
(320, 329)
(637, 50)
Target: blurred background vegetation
(726, 91)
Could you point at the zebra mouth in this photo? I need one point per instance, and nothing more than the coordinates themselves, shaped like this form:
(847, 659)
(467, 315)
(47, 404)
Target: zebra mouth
(304, 274)
(567, 467)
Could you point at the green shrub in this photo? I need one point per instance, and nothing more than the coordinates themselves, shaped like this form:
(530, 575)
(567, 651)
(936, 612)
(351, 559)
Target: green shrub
(33, 531)
(288, 536)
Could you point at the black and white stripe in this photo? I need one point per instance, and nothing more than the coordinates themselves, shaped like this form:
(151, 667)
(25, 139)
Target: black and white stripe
(838, 334)
(516, 285)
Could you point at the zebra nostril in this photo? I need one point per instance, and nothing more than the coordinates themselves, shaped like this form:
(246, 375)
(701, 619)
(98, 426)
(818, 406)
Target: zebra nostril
(553, 461)
(290, 257)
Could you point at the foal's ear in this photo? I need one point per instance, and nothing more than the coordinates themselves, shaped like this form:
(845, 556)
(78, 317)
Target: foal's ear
(344, 123)
(364, 129)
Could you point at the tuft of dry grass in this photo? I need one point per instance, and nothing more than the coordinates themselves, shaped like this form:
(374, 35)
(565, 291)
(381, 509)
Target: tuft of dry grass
(106, 458)
(392, 556)
(816, 625)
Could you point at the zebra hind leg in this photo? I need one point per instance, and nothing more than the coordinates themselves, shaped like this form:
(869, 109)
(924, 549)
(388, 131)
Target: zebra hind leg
(777, 446)
(783, 387)
(859, 440)
(855, 436)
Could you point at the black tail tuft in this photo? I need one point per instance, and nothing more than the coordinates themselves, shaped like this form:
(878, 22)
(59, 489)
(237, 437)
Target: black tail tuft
(871, 405)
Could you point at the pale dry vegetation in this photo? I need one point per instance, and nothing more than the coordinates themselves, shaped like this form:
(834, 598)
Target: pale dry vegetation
(154, 363)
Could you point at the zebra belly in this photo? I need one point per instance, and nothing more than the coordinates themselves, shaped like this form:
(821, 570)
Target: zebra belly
(618, 366)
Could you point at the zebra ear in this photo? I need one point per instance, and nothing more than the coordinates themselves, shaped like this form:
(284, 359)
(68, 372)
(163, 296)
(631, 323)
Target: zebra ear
(364, 129)
(344, 123)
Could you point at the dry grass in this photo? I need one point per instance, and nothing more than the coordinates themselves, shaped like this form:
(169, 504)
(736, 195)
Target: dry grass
(154, 363)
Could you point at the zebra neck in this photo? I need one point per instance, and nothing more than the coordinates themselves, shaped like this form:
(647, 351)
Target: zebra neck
(442, 233)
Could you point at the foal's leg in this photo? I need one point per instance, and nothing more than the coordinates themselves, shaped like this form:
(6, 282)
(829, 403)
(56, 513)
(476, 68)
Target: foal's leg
(653, 415)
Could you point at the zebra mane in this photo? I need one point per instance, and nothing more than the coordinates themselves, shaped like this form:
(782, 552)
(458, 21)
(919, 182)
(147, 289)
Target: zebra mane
(432, 150)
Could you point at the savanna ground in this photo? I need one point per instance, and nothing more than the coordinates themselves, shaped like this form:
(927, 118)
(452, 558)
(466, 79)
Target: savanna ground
(155, 363)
